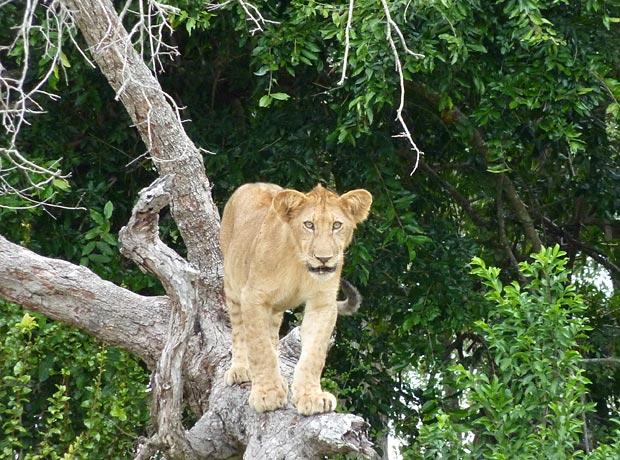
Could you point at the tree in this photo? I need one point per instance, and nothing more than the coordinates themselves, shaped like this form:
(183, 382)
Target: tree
(75, 295)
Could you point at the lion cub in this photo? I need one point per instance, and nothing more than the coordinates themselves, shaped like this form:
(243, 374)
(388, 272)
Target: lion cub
(283, 248)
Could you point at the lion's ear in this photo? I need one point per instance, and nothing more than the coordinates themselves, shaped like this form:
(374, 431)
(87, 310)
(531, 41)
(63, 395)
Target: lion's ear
(286, 202)
(357, 204)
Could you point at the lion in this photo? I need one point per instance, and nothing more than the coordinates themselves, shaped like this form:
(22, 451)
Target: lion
(283, 248)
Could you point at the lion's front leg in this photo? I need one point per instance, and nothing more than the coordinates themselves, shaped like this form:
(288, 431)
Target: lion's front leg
(316, 330)
(269, 392)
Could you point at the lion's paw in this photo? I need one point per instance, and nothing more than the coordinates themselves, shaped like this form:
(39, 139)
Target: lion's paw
(237, 374)
(315, 403)
(264, 398)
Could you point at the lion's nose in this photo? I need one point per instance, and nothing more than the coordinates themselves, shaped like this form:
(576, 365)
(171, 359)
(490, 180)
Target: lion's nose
(324, 260)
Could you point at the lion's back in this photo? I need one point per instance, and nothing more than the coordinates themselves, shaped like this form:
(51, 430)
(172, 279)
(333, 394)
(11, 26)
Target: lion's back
(242, 218)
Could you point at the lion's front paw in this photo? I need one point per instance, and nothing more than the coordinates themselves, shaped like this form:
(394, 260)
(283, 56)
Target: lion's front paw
(264, 398)
(315, 403)
(237, 374)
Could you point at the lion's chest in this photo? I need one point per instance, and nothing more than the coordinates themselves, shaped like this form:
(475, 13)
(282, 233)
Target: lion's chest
(292, 294)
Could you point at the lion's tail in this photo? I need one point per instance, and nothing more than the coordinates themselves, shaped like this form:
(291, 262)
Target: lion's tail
(353, 299)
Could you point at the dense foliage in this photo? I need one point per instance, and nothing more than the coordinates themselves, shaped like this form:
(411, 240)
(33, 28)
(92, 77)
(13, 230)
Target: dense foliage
(513, 102)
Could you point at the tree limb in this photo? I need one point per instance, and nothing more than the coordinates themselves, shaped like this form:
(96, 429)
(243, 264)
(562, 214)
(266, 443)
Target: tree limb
(480, 146)
(521, 212)
(282, 434)
(607, 361)
(75, 295)
(140, 242)
(454, 193)
(503, 239)
(592, 251)
(160, 127)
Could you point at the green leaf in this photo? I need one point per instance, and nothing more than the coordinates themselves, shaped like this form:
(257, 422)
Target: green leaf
(107, 210)
(265, 101)
(262, 71)
(64, 60)
(118, 412)
(61, 184)
(280, 96)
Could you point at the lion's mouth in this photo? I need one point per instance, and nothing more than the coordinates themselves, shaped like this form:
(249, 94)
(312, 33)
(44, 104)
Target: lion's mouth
(321, 270)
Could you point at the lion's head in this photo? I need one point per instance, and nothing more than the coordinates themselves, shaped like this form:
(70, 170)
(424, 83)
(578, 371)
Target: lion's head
(322, 224)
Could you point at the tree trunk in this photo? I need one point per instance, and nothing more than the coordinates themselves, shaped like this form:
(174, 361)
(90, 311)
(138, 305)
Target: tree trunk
(188, 362)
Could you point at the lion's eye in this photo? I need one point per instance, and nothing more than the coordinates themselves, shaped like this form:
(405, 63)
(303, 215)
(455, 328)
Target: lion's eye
(337, 225)
(309, 225)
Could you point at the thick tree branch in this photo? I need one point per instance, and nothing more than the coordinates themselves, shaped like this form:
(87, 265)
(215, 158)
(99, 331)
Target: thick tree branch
(140, 241)
(503, 239)
(282, 434)
(480, 146)
(454, 193)
(172, 152)
(76, 296)
(521, 212)
(161, 130)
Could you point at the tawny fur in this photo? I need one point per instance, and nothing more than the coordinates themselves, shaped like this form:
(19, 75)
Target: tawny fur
(280, 247)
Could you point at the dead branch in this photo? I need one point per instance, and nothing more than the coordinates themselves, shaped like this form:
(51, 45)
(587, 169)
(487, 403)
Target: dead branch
(76, 296)
(140, 242)
(390, 28)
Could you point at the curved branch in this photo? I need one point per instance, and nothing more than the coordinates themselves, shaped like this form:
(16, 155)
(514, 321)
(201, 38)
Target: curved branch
(75, 295)
(521, 212)
(455, 194)
(140, 241)
(592, 251)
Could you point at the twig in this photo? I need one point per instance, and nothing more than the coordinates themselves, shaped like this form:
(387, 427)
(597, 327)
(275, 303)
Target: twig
(254, 15)
(389, 26)
(592, 251)
(347, 34)
(19, 99)
(609, 361)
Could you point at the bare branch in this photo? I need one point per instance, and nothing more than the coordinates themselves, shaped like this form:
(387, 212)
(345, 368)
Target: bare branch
(76, 296)
(604, 361)
(19, 98)
(347, 34)
(140, 242)
(390, 27)
(254, 15)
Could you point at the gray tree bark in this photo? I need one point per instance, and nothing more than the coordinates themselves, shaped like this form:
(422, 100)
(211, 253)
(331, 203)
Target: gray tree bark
(188, 364)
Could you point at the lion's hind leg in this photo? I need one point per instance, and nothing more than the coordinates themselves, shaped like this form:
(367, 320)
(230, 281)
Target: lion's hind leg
(239, 371)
